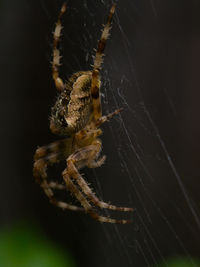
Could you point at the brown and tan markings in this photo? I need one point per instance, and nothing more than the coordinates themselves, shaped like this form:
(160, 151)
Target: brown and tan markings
(77, 116)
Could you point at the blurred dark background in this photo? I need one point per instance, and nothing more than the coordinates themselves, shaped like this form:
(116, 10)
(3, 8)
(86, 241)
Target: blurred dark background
(152, 70)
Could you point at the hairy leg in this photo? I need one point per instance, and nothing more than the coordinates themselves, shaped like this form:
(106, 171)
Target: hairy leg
(96, 101)
(107, 117)
(97, 163)
(40, 174)
(88, 208)
(56, 53)
(62, 148)
(86, 156)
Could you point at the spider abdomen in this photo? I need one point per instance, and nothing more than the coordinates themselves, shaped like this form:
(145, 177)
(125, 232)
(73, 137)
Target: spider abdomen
(73, 107)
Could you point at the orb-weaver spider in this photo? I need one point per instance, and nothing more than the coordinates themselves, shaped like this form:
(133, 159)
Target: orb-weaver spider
(77, 116)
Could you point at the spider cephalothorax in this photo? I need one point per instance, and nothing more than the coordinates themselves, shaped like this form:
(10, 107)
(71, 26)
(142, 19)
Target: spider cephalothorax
(77, 116)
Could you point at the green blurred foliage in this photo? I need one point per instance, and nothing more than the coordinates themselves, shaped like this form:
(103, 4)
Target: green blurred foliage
(25, 246)
(181, 262)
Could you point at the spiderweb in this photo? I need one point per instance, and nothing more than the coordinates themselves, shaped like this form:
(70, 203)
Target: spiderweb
(152, 147)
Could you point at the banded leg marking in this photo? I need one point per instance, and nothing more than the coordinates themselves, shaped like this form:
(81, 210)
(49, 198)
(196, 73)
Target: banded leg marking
(88, 208)
(95, 86)
(56, 53)
(82, 156)
(40, 174)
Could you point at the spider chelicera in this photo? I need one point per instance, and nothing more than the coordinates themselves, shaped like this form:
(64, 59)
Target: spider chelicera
(77, 116)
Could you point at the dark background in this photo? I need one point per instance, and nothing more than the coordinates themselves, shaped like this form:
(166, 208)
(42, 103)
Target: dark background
(152, 70)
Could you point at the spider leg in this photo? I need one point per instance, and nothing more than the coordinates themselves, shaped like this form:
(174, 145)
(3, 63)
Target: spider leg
(107, 117)
(97, 163)
(97, 66)
(80, 159)
(88, 192)
(55, 185)
(40, 174)
(61, 147)
(60, 150)
(56, 53)
(88, 208)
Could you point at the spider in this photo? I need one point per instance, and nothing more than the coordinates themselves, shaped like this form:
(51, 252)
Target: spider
(77, 116)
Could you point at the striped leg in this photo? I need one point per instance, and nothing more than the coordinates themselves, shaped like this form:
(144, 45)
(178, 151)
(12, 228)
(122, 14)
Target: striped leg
(107, 117)
(56, 53)
(61, 147)
(40, 174)
(86, 205)
(88, 192)
(95, 86)
(84, 157)
(56, 151)
(97, 163)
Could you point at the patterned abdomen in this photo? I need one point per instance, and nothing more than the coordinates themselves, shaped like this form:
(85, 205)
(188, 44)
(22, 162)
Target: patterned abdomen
(73, 107)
